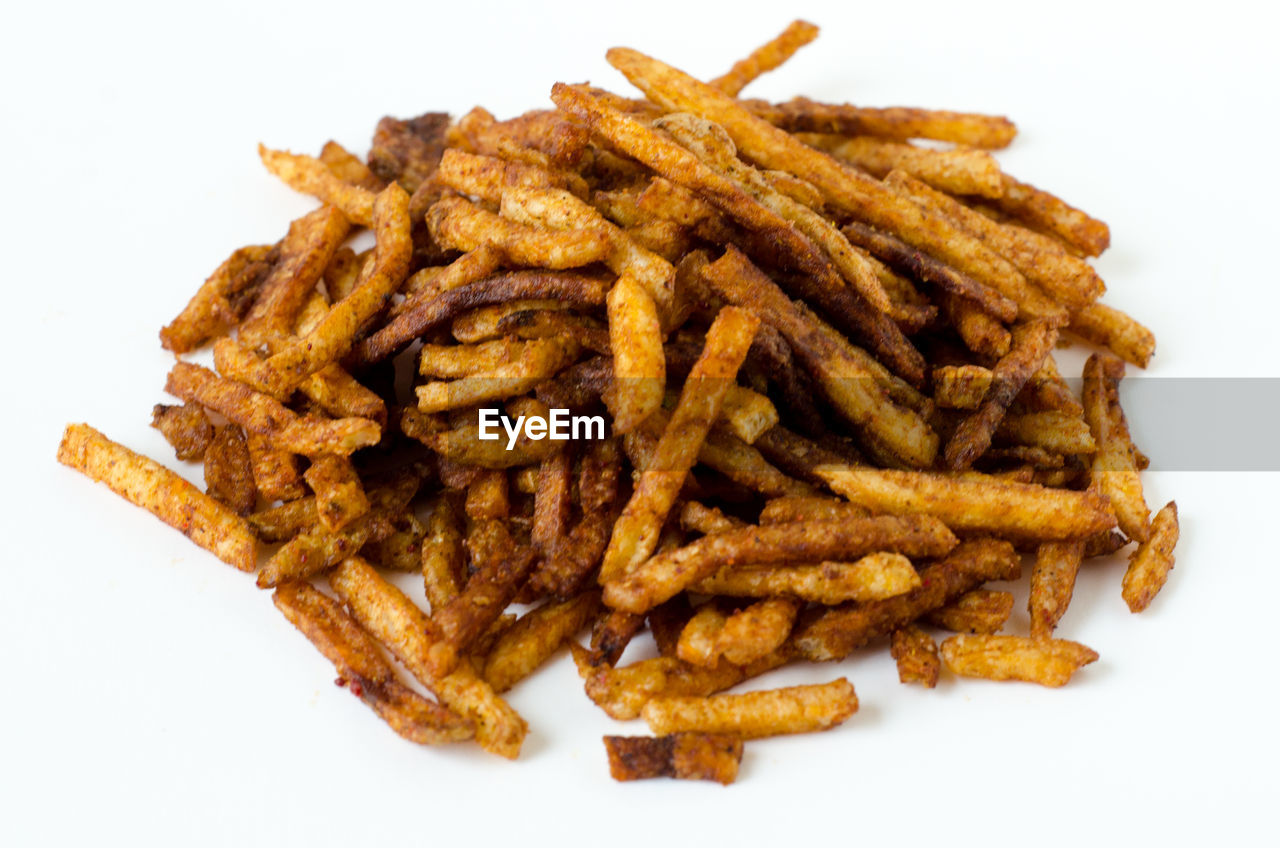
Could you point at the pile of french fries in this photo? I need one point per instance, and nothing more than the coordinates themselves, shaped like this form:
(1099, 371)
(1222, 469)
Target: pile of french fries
(825, 355)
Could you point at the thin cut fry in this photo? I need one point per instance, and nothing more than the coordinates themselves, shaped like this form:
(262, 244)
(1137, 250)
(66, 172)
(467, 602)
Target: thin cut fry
(772, 712)
(1049, 662)
(1150, 564)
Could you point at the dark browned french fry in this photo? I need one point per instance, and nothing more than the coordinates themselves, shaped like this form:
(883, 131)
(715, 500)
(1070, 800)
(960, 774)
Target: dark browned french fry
(683, 756)
(917, 656)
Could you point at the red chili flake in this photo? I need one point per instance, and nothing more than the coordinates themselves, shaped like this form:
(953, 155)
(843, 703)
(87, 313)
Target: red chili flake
(357, 689)
(339, 681)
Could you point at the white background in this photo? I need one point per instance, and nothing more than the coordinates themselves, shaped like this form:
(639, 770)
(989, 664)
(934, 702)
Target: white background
(152, 695)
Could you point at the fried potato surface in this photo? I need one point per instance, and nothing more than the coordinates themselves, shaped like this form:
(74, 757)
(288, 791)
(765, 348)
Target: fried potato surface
(1049, 662)
(772, 712)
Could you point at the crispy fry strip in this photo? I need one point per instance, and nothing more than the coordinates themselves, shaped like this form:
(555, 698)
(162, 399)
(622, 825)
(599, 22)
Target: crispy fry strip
(874, 577)
(916, 655)
(145, 483)
(1049, 662)
(772, 712)
(1053, 580)
(1114, 470)
(364, 671)
(959, 171)
(1018, 510)
(1150, 564)
(533, 639)
(896, 122)
(309, 175)
(767, 57)
(663, 576)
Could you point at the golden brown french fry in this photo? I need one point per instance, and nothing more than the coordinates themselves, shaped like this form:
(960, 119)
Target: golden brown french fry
(363, 670)
(347, 167)
(1049, 662)
(1053, 580)
(1114, 471)
(771, 712)
(804, 115)
(1150, 564)
(185, 427)
(281, 523)
(1018, 510)
(874, 577)
(145, 483)
(622, 692)
(961, 386)
(700, 639)
(767, 57)
(1107, 327)
(704, 519)
(220, 301)
(1068, 279)
(340, 498)
(1044, 211)
(443, 558)
(976, 611)
(916, 655)
(639, 366)
(958, 171)
(1052, 431)
(534, 637)
(304, 434)
(809, 508)
(405, 630)
(757, 631)
(683, 756)
(457, 223)
(835, 633)
(309, 175)
(527, 365)
(661, 577)
(275, 472)
(635, 535)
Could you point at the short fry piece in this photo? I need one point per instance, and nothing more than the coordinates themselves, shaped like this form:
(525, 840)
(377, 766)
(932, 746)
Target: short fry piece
(1114, 471)
(978, 611)
(917, 656)
(767, 57)
(534, 637)
(1150, 564)
(683, 756)
(1053, 581)
(1048, 662)
(771, 712)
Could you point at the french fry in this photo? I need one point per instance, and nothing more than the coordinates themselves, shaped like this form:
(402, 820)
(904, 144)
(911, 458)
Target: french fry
(611, 635)
(981, 333)
(304, 434)
(1151, 562)
(700, 639)
(340, 497)
(552, 501)
(639, 368)
(873, 577)
(683, 756)
(1047, 662)
(767, 57)
(527, 364)
(772, 712)
(622, 692)
(228, 470)
(1044, 211)
(809, 508)
(916, 655)
(406, 632)
(334, 334)
(305, 253)
(275, 472)
(1068, 279)
(976, 504)
(434, 312)
(958, 171)
(459, 224)
(185, 427)
(1032, 342)
(488, 496)
(636, 532)
(661, 577)
(347, 167)
(463, 444)
(1053, 431)
(364, 671)
(961, 386)
(443, 557)
(487, 593)
(486, 177)
(976, 611)
(1053, 580)
(801, 114)
(281, 523)
(756, 631)
(311, 176)
(704, 519)
(1114, 471)
(1110, 328)
(145, 483)
(534, 637)
(220, 302)
(483, 324)
(835, 633)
